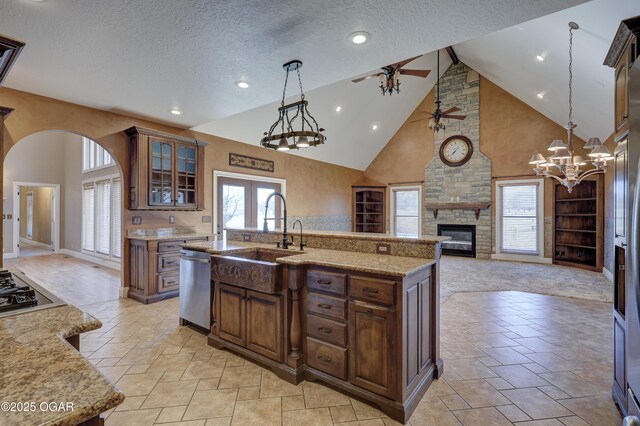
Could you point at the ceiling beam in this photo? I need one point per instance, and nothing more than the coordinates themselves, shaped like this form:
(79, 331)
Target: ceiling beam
(9, 51)
(452, 55)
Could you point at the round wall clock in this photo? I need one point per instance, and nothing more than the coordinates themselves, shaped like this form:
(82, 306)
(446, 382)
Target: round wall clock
(456, 150)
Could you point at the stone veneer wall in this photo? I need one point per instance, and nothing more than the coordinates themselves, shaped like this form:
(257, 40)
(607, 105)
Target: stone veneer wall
(460, 86)
(323, 223)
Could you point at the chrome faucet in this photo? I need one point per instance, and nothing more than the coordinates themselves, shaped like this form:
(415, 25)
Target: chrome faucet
(285, 237)
(302, 243)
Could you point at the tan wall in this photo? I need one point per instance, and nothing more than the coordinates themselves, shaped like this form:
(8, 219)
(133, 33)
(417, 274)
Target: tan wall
(41, 229)
(313, 188)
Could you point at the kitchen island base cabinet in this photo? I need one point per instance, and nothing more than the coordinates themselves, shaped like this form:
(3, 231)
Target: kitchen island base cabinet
(371, 335)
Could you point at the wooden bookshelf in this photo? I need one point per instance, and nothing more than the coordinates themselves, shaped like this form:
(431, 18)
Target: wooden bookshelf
(369, 209)
(578, 225)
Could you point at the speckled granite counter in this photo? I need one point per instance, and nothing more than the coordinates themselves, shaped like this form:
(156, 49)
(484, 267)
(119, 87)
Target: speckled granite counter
(38, 365)
(364, 262)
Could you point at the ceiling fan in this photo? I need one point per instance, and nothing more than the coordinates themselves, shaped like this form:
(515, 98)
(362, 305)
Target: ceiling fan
(436, 118)
(390, 76)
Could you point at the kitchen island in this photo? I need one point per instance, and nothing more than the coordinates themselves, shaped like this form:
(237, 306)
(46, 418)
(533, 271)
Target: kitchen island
(357, 311)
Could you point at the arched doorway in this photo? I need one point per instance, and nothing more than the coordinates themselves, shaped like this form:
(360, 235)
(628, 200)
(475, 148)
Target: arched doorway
(72, 245)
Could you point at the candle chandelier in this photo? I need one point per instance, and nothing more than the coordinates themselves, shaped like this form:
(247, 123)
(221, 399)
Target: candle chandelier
(563, 158)
(291, 115)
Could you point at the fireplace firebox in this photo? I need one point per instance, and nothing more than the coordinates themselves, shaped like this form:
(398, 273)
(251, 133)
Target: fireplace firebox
(462, 242)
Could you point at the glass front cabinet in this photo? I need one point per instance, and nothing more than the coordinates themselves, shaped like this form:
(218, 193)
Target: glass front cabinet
(166, 171)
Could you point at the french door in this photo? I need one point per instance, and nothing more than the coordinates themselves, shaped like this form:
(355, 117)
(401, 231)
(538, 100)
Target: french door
(241, 204)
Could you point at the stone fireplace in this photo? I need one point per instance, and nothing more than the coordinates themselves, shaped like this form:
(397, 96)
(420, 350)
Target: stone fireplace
(462, 242)
(467, 184)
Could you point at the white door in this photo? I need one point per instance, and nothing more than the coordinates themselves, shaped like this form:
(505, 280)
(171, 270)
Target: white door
(30, 215)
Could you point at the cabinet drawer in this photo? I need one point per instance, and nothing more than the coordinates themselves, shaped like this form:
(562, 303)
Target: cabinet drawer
(327, 330)
(168, 282)
(168, 262)
(327, 282)
(166, 246)
(328, 358)
(372, 290)
(328, 306)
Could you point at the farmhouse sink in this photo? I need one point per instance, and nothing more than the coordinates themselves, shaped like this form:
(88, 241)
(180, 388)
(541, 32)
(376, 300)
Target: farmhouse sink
(254, 269)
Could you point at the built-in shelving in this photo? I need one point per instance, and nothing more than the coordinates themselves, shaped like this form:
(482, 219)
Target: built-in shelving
(369, 209)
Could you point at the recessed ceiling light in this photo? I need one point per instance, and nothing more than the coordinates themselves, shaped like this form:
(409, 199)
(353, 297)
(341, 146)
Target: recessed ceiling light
(374, 127)
(242, 84)
(541, 95)
(540, 58)
(359, 37)
(338, 108)
(175, 111)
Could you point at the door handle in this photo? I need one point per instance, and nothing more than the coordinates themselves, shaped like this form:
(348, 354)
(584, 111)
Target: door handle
(195, 259)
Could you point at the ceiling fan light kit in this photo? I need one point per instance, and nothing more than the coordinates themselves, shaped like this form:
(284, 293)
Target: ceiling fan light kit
(290, 116)
(389, 78)
(563, 158)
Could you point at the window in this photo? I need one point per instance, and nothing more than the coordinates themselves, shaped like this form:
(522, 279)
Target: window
(519, 221)
(94, 156)
(101, 217)
(406, 211)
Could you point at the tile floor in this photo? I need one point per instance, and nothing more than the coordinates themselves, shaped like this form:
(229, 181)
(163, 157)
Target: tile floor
(510, 357)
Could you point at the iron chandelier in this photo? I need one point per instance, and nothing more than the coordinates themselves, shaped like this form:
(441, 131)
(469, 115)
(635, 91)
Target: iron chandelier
(563, 157)
(310, 134)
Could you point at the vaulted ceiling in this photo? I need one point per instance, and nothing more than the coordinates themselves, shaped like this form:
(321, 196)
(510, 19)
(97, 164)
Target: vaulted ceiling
(145, 58)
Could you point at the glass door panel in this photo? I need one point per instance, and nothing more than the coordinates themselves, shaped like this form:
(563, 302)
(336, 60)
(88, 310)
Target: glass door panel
(186, 175)
(161, 173)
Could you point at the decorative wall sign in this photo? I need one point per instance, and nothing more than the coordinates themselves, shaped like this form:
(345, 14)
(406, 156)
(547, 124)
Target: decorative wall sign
(238, 160)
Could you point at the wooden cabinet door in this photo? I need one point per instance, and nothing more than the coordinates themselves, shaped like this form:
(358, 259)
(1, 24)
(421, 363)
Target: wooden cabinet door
(622, 93)
(186, 167)
(231, 313)
(372, 348)
(161, 172)
(620, 189)
(264, 327)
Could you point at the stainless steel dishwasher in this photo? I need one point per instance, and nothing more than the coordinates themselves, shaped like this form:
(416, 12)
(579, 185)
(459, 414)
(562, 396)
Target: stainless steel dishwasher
(195, 288)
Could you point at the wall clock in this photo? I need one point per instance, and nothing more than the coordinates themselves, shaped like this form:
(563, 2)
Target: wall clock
(456, 150)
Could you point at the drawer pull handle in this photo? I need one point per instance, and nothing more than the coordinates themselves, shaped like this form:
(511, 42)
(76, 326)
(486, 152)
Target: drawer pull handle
(324, 330)
(370, 290)
(324, 358)
(170, 262)
(324, 306)
(324, 282)
(170, 282)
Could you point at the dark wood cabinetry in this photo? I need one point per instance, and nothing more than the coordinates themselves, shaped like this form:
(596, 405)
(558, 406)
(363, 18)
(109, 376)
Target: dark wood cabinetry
(369, 209)
(166, 171)
(578, 225)
(154, 268)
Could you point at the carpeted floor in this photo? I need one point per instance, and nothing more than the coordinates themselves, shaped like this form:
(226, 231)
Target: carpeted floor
(459, 274)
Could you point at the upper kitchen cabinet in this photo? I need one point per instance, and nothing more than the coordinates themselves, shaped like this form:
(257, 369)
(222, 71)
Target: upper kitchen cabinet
(167, 171)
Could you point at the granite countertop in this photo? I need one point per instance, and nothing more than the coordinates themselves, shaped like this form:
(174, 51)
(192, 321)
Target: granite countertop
(357, 235)
(40, 366)
(169, 237)
(363, 262)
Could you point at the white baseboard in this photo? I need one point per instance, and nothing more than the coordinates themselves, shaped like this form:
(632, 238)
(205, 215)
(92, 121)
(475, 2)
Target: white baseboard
(93, 259)
(124, 291)
(608, 274)
(35, 243)
(11, 255)
(521, 258)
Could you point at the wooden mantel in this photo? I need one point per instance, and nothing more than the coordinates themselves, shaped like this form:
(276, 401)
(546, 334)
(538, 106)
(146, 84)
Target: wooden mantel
(458, 206)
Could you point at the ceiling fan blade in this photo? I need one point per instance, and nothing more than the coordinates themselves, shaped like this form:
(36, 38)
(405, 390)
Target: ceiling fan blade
(450, 110)
(416, 73)
(358, 80)
(403, 63)
(455, 117)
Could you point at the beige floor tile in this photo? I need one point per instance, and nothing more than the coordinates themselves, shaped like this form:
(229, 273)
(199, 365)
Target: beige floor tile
(204, 369)
(170, 394)
(211, 403)
(273, 386)
(470, 369)
(432, 411)
(171, 362)
(248, 392)
(554, 392)
(131, 403)
(221, 421)
(208, 384)
(371, 422)
(595, 410)
(545, 422)
(171, 376)
(535, 403)
(365, 411)
(342, 413)
(499, 383)
(506, 356)
(138, 368)
(235, 377)
(310, 417)
(138, 384)
(513, 413)
(132, 418)
(263, 412)
(454, 402)
(317, 395)
(573, 421)
(113, 350)
(479, 393)
(481, 417)
(575, 385)
(519, 376)
(187, 423)
(171, 414)
(296, 402)
(114, 373)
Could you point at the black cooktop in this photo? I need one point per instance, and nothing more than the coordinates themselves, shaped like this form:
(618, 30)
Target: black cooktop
(15, 295)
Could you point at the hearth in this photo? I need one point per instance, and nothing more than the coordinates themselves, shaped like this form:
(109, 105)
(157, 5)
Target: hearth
(462, 242)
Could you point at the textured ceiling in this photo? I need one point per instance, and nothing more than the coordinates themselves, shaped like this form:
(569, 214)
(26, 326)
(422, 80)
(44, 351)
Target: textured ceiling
(508, 58)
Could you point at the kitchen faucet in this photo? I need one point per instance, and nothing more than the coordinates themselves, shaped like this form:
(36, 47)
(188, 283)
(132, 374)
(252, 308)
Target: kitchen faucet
(302, 244)
(285, 238)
